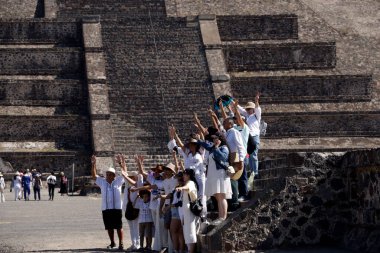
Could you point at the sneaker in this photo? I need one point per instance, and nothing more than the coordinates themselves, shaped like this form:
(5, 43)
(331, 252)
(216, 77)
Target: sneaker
(111, 246)
(131, 248)
(217, 221)
(121, 246)
(242, 199)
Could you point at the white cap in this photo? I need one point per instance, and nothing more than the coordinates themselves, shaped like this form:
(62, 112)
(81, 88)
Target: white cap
(112, 170)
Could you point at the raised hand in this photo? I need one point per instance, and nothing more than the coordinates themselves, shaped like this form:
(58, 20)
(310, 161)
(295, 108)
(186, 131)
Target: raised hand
(93, 159)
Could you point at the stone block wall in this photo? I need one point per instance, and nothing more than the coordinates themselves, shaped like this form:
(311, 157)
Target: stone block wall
(10, 9)
(54, 61)
(69, 132)
(257, 27)
(43, 92)
(333, 199)
(291, 89)
(41, 31)
(280, 56)
(322, 124)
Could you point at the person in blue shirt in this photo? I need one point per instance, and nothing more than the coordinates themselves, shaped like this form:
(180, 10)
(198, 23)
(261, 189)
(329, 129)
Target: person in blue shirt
(26, 179)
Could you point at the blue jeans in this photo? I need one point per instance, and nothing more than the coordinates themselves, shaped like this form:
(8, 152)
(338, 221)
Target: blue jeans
(253, 158)
(243, 180)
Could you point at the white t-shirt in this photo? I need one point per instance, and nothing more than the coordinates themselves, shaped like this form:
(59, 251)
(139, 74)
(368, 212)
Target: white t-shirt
(17, 182)
(169, 186)
(235, 143)
(244, 132)
(253, 120)
(51, 179)
(145, 215)
(2, 183)
(154, 201)
(111, 193)
(133, 195)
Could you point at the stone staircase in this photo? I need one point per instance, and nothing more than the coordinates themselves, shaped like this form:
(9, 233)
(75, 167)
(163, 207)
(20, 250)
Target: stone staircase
(308, 103)
(43, 95)
(157, 73)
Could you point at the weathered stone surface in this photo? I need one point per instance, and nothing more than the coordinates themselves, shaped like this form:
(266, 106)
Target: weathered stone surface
(280, 56)
(56, 61)
(40, 31)
(95, 66)
(258, 27)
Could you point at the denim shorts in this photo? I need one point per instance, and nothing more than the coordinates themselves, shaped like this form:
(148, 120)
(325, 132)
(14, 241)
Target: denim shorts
(175, 213)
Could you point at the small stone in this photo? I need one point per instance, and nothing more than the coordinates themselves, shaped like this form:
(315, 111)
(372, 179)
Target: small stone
(285, 223)
(301, 221)
(294, 232)
(316, 201)
(264, 220)
(337, 184)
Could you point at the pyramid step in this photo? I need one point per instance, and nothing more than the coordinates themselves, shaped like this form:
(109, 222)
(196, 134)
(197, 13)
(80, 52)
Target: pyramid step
(323, 124)
(292, 89)
(317, 144)
(42, 92)
(42, 31)
(46, 161)
(277, 56)
(40, 111)
(257, 27)
(39, 61)
(68, 132)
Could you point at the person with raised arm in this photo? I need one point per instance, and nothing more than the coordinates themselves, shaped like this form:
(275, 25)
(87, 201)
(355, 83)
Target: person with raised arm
(132, 180)
(155, 180)
(243, 128)
(193, 159)
(110, 188)
(252, 113)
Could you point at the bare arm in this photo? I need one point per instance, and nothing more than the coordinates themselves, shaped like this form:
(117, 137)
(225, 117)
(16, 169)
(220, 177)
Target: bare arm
(224, 114)
(257, 99)
(129, 180)
(175, 159)
(214, 118)
(178, 140)
(93, 167)
(140, 165)
(239, 119)
(201, 128)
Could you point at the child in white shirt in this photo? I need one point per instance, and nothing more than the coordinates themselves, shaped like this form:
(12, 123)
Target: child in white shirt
(145, 218)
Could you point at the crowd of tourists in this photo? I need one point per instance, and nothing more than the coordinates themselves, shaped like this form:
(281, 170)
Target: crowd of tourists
(23, 183)
(169, 202)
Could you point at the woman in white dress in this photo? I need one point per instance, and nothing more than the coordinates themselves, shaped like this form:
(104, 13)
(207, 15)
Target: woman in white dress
(218, 183)
(189, 193)
(193, 159)
(17, 185)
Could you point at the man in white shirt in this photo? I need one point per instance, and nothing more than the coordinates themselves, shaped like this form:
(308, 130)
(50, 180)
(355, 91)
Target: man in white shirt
(252, 113)
(111, 202)
(237, 155)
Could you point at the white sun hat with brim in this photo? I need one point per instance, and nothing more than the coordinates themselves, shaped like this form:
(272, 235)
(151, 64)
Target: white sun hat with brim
(250, 105)
(112, 170)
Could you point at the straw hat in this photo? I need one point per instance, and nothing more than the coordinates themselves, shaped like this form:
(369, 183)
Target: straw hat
(250, 105)
(17, 173)
(192, 140)
(1, 174)
(170, 167)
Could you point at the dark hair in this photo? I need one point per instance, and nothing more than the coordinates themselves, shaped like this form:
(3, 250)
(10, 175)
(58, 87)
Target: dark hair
(144, 192)
(52, 172)
(211, 131)
(221, 138)
(191, 174)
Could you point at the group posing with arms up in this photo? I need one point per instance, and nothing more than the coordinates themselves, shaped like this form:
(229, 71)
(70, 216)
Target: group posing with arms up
(169, 202)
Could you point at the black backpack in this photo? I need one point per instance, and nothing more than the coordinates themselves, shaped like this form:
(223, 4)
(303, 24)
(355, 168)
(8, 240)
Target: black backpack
(131, 213)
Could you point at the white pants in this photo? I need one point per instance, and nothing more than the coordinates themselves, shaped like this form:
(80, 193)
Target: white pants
(157, 237)
(17, 192)
(134, 231)
(2, 195)
(201, 181)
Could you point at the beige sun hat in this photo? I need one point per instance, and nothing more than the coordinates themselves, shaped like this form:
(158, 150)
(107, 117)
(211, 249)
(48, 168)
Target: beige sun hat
(250, 105)
(132, 173)
(170, 166)
(112, 170)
